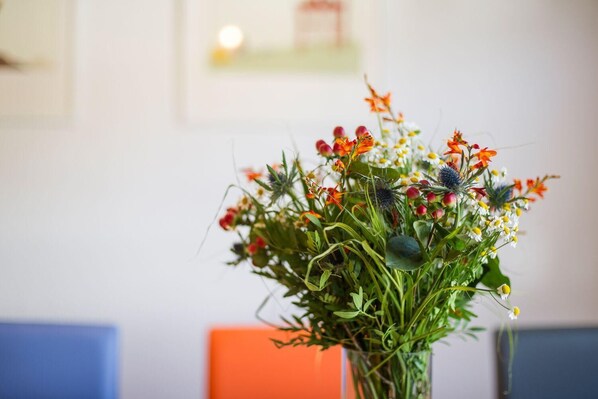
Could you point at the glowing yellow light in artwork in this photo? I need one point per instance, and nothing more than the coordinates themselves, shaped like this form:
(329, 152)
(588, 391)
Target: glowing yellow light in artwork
(230, 37)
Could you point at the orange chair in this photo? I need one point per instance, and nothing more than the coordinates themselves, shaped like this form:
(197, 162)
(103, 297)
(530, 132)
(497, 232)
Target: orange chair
(245, 363)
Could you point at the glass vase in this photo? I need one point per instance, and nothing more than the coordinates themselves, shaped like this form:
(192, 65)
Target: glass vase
(370, 376)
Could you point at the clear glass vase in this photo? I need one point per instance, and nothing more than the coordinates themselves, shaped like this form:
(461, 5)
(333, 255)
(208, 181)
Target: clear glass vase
(402, 376)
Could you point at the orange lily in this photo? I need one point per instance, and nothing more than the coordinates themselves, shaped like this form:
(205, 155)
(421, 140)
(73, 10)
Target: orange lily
(364, 144)
(251, 174)
(536, 187)
(517, 184)
(455, 143)
(334, 197)
(484, 157)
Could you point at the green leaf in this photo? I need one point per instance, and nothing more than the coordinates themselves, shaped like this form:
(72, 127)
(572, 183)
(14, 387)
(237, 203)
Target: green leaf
(403, 253)
(314, 220)
(347, 314)
(492, 276)
(422, 230)
(324, 278)
(365, 169)
(357, 298)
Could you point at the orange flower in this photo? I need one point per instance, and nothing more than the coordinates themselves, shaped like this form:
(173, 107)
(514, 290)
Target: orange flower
(375, 104)
(454, 144)
(364, 144)
(334, 197)
(517, 184)
(343, 146)
(378, 103)
(252, 174)
(484, 157)
(303, 215)
(536, 187)
(338, 166)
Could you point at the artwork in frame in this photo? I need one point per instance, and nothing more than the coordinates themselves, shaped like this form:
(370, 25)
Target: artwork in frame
(287, 62)
(35, 58)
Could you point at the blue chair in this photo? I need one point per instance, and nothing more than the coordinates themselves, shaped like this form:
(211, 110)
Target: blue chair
(43, 361)
(549, 364)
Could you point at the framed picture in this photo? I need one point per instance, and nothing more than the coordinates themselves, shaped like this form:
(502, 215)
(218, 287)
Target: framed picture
(35, 58)
(283, 62)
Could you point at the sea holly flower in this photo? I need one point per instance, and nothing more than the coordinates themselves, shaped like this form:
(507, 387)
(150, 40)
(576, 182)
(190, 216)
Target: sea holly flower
(514, 313)
(449, 177)
(504, 291)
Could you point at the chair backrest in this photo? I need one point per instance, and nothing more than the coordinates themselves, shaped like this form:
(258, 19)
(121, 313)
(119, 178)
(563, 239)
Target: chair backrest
(39, 361)
(245, 363)
(549, 364)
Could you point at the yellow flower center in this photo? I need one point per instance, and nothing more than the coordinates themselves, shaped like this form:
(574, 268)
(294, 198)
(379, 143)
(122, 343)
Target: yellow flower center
(477, 231)
(432, 156)
(516, 310)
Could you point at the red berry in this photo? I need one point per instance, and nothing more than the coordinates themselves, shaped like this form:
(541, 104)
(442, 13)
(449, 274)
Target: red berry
(431, 197)
(259, 241)
(450, 199)
(325, 150)
(412, 193)
(336, 148)
(438, 213)
(252, 249)
(339, 132)
(319, 144)
(421, 210)
(361, 131)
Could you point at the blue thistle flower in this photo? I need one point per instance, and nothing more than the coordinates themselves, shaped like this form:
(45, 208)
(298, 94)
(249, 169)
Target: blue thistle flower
(449, 178)
(499, 195)
(383, 195)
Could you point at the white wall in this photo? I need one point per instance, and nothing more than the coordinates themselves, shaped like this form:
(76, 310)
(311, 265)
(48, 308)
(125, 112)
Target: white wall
(100, 220)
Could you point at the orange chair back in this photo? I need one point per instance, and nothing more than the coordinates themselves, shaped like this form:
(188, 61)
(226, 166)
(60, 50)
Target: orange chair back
(245, 363)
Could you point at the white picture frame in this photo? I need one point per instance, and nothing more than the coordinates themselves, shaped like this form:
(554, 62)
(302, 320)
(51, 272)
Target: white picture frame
(36, 45)
(275, 99)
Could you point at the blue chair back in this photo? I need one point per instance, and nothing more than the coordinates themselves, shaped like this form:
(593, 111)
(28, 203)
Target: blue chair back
(549, 364)
(43, 361)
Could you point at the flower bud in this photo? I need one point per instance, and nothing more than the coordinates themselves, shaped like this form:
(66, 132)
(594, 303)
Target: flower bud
(438, 213)
(412, 193)
(319, 144)
(361, 131)
(421, 210)
(424, 182)
(339, 132)
(450, 200)
(325, 150)
(431, 197)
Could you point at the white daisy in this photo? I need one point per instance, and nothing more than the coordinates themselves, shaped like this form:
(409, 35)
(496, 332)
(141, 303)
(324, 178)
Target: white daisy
(475, 234)
(514, 313)
(504, 291)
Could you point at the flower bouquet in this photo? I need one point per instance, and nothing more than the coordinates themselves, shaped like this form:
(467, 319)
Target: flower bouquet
(382, 245)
